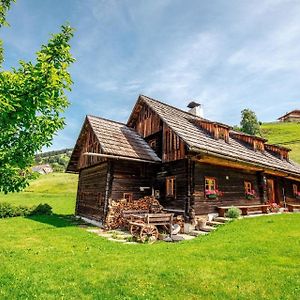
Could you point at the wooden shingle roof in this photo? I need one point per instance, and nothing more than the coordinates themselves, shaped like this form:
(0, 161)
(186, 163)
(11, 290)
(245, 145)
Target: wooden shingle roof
(182, 123)
(115, 139)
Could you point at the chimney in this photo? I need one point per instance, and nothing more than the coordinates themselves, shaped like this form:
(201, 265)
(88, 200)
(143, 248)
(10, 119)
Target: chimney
(195, 109)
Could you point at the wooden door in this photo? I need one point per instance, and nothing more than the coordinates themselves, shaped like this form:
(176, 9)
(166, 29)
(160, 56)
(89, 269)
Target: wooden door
(271, 190)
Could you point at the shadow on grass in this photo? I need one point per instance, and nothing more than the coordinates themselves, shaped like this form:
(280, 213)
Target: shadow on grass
(57, 220)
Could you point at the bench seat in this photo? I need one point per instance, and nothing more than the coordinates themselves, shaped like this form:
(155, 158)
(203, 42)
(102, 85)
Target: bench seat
(244, 208)
(291, 207)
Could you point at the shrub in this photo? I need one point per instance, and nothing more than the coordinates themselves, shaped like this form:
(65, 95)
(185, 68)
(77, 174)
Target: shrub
(41, 209)
(7, 210)
(233, 213)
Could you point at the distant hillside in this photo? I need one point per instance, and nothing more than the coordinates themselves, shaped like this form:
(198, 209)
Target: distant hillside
(285, 134)
(57, 159)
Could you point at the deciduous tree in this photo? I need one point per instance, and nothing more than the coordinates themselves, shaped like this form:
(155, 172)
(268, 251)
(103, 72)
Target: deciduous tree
(32, 99)
(249, 122)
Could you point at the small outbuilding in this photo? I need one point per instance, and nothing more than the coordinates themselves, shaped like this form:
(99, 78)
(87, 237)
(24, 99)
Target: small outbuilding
(292, 116)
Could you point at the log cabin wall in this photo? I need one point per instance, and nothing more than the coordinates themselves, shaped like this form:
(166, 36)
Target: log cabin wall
(289, 191)
(158, 135)
(148, 122)
(229, 181)
(173, 146)
(91, 192)
(177, 170)
(128, 177)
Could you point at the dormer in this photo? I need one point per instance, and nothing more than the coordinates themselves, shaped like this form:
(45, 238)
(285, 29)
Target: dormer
(217, 130)
(279, 151)
(256, 143)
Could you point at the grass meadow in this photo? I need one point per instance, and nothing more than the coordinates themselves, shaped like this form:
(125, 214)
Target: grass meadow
(51, 257)
(287, 133)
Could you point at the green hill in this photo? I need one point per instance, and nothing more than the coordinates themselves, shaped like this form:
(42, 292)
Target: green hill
(58, 159)
(284, 134)
(56, 189)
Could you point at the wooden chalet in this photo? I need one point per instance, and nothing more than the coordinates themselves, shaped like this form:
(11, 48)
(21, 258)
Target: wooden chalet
(190, 164)
(292, 116)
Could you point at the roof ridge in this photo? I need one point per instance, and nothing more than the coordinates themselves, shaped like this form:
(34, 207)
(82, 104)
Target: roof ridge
(105, 119)
(113, 121)
(174, 107)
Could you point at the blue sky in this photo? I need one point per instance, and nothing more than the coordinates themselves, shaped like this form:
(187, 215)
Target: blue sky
(227, 55)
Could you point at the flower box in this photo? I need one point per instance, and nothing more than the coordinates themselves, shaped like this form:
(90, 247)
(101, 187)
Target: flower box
(250, 195)
(212, 196)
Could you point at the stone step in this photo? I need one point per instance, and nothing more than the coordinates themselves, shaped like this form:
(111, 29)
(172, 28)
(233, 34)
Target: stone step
(214, 223)
(221, 219)
(208, 228)
(198, 233)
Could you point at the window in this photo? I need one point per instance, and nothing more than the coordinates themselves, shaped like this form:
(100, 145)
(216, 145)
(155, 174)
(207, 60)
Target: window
(170, 186)
(127, 196)
(210, 184)
(248, 187)
(295, 189)
(152, 144)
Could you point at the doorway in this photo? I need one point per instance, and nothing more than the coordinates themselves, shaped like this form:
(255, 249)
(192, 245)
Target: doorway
(271, 191)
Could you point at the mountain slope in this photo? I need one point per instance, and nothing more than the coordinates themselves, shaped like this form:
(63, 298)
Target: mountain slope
(285, 134)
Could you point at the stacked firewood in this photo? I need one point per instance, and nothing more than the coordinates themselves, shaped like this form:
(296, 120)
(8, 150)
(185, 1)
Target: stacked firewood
(116, 216)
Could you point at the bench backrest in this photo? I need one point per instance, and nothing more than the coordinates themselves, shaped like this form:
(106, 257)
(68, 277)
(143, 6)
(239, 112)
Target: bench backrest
(159, 218)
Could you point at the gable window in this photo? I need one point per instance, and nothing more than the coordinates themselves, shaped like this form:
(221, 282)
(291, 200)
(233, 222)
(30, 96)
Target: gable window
(127, 196)
(295, 189)
(210, 184)
(170, 186)
(152, 144)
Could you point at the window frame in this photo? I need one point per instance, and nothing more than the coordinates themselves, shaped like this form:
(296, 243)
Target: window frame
(295, 189)
(248, 186)
(214, 180)
(130, 196)
(172, 187)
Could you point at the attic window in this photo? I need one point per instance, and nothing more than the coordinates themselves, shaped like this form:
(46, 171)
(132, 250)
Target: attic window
(216, 130)
(257, 143)
(279, 151)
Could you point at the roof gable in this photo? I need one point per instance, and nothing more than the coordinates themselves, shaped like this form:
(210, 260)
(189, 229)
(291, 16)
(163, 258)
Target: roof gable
(115, 139)
(197, 139)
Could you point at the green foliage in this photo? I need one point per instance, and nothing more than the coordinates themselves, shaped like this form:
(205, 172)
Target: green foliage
(249, 122)
(285, 134)
(233, 213)
(57, 159)
(8, 210)
(32, 98)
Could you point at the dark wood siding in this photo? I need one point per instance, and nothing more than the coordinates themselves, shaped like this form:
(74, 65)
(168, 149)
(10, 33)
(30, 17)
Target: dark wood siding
(288, 189)
(128, 177)
(177, 169)
(91, 192)
(229, 181)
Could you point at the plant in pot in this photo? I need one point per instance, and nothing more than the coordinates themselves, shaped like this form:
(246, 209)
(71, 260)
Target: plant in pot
(213, 194)
(297, 195)
(250, 194)
(274, 207)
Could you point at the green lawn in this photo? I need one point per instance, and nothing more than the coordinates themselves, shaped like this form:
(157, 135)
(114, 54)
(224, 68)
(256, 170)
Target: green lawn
(49, 257)
(284, 133)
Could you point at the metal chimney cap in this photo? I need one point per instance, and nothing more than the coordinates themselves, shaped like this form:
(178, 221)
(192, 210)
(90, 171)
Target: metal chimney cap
(193, 104)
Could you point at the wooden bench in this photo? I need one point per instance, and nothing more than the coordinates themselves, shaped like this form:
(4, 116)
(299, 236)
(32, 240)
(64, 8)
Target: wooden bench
(291, 207)
(244, 208)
